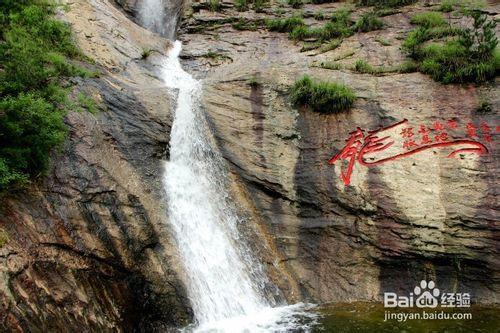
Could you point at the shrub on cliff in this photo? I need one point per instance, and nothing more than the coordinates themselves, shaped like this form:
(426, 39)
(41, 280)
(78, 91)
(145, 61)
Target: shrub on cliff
(428, 19)
(241, 5)
(368, 22)
(295, 3)
(34, 68)
(324, 97)
(340, 25)
(471, 56)
(285, 25)
(385, 3)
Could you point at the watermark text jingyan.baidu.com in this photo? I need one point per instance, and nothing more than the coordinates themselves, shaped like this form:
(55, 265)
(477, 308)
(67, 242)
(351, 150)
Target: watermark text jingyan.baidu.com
(427, 297)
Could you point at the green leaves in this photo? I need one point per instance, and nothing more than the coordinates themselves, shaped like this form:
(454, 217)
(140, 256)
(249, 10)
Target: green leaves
(35, 52)
(323, 97)
(471, 56)
(30, 127)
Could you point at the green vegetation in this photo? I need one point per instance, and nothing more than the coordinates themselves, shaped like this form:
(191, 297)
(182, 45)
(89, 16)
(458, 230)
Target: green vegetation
(214, 5)
(241, 5)
(447, 5)
(324, 97)
(347, 54)
(428, 19)
(331, 45)
(295, 3)
(330, 65)
(416, 38)
(381, 12)
(86, 103)
(328, 31)
(146, 52)
(369, 22)
(285, 25)
(320, 46)
(215, 55)
(383, 41)
(319, 15)
(408, 67)
(340, 25)
(484, 106)
(4, 237)
(310, 46)
(362, 66)
(35, 65)
(317, 2)
(244, 24)
(471, 56)
(254, 81)
(385, 3)
(258, 5)
(342, 16)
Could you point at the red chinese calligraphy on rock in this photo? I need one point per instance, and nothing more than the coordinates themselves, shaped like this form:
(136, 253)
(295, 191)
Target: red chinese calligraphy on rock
(364, 149)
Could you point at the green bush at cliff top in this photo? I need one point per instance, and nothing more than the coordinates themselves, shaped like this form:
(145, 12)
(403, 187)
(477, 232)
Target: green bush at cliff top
(34, 68)
(471, 56)
(324, 97)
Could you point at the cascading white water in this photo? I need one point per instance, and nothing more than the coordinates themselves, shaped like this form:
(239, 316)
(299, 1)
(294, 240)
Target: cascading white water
(225, 283)
(219, 284)
(159, 16)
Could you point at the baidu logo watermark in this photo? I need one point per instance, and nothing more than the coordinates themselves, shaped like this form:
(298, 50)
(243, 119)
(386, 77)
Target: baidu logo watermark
(426, 295)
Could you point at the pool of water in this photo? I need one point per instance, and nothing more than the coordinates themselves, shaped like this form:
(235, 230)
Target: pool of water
(370, 317)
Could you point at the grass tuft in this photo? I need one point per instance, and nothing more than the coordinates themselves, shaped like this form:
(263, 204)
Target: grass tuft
(369, 22)
(214, 5)
(385, 3)
(146, 52)
(382, 41)
(428, 19)
(295, 3)
(323, 97)
(285, 25)
(241, 5)
(330, 65)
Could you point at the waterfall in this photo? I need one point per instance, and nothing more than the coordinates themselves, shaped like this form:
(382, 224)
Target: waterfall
(226, 285)
(220, 285)
(160, 16)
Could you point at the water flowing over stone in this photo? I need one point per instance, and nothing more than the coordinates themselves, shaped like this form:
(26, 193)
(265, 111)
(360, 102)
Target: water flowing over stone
(160, 16)
(225, 283)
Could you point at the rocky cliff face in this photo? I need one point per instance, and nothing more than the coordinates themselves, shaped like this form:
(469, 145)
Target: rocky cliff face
(415, 217)
(89, 248)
